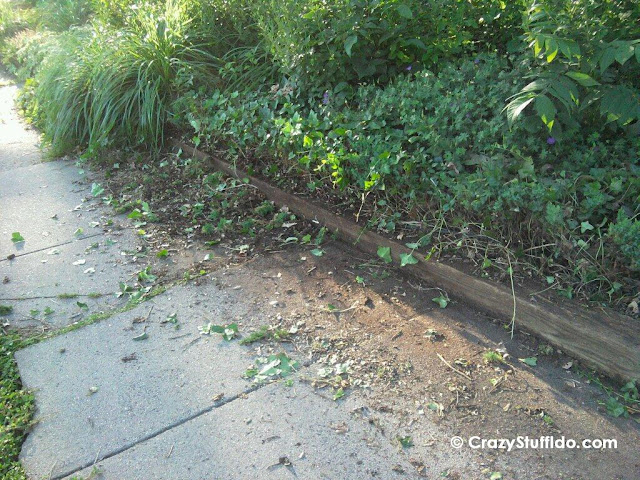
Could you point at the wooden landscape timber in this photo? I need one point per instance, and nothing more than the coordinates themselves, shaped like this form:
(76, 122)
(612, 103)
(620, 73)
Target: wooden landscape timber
(602, 339)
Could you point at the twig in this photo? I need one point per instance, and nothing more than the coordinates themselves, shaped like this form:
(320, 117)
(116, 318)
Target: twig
(453, 368)
(334, 310)
(513, 293)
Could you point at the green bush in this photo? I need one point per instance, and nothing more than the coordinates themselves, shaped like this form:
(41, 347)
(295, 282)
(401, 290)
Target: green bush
(322, 44)
(589, 67)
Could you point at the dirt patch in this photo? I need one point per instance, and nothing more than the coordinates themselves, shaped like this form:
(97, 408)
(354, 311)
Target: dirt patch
(419, 366)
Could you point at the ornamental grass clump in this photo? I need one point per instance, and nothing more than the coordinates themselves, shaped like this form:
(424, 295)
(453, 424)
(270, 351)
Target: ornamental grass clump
(103, 88)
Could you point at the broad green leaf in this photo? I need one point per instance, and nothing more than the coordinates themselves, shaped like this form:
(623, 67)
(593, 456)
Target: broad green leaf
(583, 79)
(142, 336)
(407, 259)
(624, 53)
(607, 58)
(569, 48)
(516, 106)
(546, 110)
(84, 306)
(405, 11)
(162, 253)
(385, 254)
(349, 43)
(317, 252)
(551, 49)
(535, 86)
(412, 246)
(616, 105)
(537, 47)
(416, 43)
(135, 214)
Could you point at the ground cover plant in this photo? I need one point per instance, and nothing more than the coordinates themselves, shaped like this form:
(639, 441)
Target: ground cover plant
(16, 409)
(505, 133)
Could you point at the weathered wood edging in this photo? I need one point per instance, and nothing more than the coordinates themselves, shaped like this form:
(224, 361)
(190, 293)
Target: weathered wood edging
(604, 340)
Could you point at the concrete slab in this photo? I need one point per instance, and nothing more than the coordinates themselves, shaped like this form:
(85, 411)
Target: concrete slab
(46, 203)
(254, 437)
(97, 389)
(92, 265)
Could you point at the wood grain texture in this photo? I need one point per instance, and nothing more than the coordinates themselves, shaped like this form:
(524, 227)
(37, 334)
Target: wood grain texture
(604, 340)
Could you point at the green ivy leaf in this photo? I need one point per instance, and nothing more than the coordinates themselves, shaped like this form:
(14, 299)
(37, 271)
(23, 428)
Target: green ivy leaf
(585, 226)
(407, 259)
(16, 237)
(442, 301)
(615, 408)
(385, 254)
(96, 189)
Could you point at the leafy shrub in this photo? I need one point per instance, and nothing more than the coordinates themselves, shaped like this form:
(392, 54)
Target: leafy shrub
(589, 66)
(324, 44)
(23, 53)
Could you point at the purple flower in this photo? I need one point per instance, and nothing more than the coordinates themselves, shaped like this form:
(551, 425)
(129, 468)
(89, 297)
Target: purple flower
(408, 69)
(551, 141)
(325, 98)
(468, 115)
(476, 61)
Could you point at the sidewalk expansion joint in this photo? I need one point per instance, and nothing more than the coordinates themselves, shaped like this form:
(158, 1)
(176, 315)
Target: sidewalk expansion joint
(12, 256)
(160, 431)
